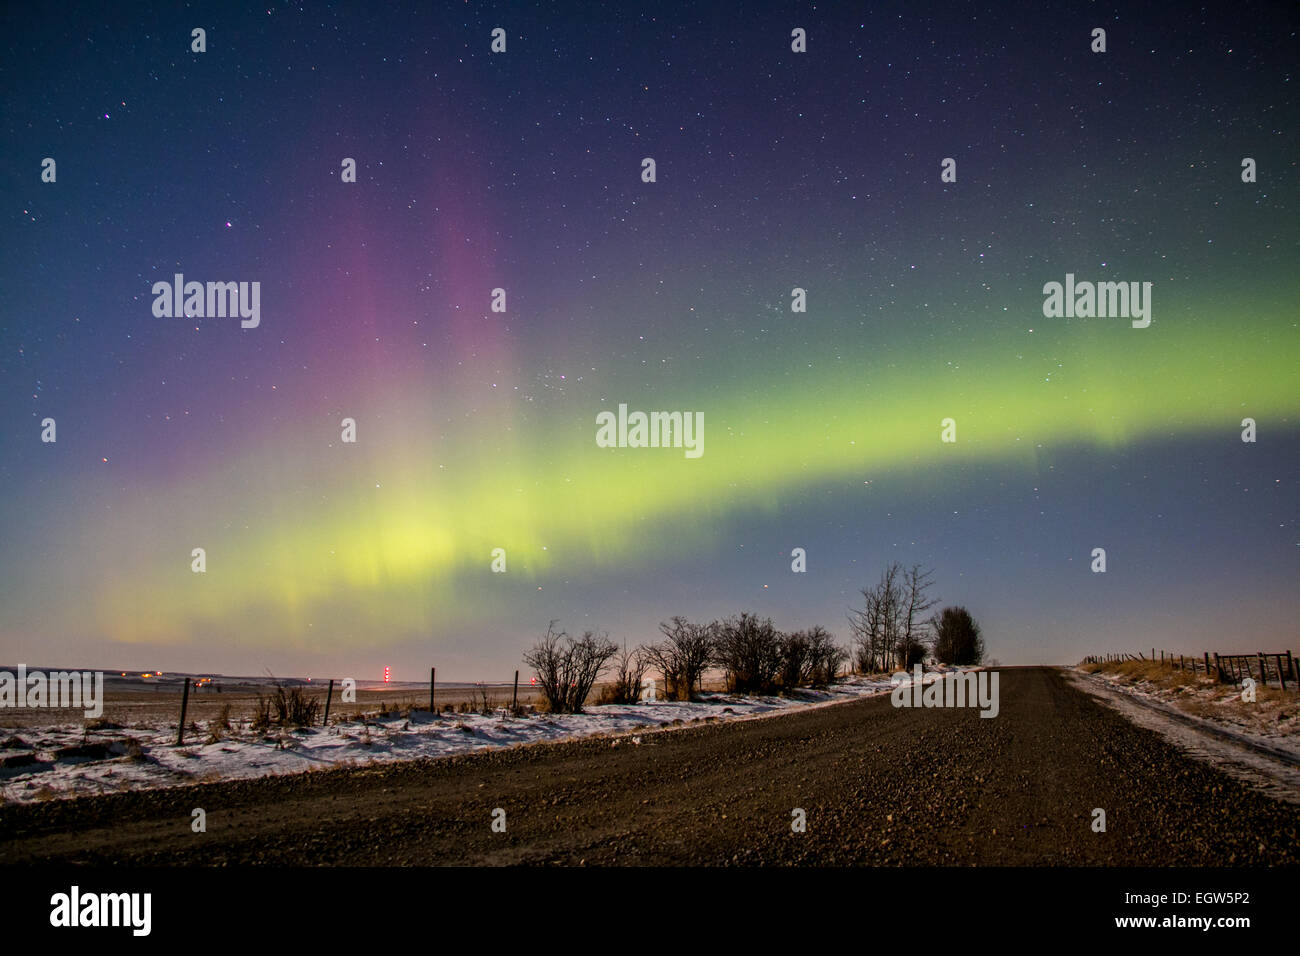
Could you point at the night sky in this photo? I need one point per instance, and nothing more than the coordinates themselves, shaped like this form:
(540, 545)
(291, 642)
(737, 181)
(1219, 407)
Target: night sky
(476, 429)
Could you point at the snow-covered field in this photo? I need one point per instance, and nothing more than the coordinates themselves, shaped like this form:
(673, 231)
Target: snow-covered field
(67, 760)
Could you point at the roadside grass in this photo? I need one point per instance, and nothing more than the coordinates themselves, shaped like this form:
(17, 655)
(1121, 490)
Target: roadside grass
(1273, 712)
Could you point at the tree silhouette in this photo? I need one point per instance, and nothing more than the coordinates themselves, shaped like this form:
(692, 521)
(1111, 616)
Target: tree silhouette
(957, 638)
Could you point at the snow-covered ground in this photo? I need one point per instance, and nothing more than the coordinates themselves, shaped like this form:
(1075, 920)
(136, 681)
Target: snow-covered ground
(41, 763)
(1271, 721)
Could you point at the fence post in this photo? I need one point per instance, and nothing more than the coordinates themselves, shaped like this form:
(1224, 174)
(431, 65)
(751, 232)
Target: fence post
(514, 700)
(433, 680)
(1263, 669)
(1281, 674)
(185, 702)
(329, 696)
(1207, 663)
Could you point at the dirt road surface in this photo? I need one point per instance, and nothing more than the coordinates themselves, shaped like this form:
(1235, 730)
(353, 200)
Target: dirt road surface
(878, 785)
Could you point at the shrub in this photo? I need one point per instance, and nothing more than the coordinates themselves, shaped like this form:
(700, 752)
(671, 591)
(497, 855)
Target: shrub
(568, 667)
(219, 727)
(909, 654)
(291, 708)
(683, 656)
(629, 673)
(748, 650)
(795, 660)
(825, 657)
(261, 721)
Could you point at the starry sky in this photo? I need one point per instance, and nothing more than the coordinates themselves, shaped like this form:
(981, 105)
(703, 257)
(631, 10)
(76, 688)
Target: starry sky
(476, 429)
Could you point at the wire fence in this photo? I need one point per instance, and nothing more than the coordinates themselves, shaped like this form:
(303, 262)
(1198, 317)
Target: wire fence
(1278, 666)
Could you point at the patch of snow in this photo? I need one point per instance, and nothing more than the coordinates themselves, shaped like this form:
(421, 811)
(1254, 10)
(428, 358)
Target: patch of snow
(150, 758)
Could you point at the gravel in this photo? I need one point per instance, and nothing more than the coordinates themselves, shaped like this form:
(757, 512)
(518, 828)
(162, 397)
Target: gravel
(879, 785)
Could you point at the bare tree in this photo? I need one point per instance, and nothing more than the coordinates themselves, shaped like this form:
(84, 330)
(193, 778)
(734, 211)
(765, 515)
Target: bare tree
(913, 627)
(683, 656)
(890, 629)
(567, 667)
(865, 628)
(891, 603)
(876, 625)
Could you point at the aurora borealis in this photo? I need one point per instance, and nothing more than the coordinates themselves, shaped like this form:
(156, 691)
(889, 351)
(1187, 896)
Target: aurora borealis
(476, 429)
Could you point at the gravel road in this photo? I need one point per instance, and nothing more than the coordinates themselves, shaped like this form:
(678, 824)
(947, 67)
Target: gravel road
(878, 785)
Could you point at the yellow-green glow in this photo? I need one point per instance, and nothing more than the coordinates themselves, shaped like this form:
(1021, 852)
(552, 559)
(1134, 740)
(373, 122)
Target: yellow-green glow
(419, 545)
